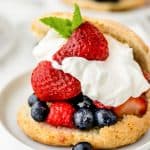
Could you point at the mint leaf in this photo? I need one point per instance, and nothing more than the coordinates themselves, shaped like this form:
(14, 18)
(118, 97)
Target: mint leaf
(77, 18)
(62, 26)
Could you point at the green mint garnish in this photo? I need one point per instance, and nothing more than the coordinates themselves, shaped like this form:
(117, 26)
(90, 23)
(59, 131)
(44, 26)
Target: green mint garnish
(64, 27)
(77, 18)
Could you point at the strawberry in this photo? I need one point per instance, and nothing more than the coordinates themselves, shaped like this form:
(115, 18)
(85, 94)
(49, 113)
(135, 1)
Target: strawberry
(51, 84)
(98, 104)
(61, 114)
(86, 41)
(133, 106)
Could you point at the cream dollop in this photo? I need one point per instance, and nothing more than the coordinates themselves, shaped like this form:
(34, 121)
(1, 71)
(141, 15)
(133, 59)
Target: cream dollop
(112, 81)
(48, 46)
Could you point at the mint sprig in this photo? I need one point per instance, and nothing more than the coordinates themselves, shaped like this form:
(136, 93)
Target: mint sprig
(64, 27)
(77, 18)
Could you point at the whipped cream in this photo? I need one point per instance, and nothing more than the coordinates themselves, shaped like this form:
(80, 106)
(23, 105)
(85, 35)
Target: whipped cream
(112, 81)
(48, 46)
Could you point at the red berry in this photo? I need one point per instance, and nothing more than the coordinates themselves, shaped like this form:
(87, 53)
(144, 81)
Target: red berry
(61, 114)
(133, 106)
(98, 104)
(86, 41)
(51, 84)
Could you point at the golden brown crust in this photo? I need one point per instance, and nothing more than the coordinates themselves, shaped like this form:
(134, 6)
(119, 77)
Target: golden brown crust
(124, 132)
(108, 6)
(118, 31)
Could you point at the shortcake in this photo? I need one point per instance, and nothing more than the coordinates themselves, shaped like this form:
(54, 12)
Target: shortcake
(90, 86)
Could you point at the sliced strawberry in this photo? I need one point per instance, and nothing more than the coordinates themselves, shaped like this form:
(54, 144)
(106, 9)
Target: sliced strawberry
(61, 114)
(87, 42)
(133, 106)
(50, 84)
(98, 104)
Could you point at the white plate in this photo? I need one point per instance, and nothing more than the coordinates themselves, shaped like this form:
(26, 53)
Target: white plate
(12, 97)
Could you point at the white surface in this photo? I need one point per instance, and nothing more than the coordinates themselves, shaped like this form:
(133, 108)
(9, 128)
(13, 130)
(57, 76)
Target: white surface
(7, 38)
(20, 13)
(15, 94)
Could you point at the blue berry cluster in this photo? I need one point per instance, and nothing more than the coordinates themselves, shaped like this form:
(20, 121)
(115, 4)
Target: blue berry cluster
(87, 116)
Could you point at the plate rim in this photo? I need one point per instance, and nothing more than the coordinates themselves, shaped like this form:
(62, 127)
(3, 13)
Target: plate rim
(2, 126)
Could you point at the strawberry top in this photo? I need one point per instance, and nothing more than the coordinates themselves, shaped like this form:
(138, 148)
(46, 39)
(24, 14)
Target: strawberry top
(87, 42)
(84, 39)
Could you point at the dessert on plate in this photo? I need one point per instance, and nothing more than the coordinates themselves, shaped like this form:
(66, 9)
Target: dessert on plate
(108, 5)
(90, 86)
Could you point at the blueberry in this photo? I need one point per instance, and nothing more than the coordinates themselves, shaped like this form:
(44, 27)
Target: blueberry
(32, 99)
(85, 103)
(82, 101)
(83, 119)
(104, 117)
(39, 111)
(82, 146)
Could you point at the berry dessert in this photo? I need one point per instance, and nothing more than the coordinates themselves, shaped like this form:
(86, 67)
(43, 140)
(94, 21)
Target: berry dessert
(90, 86)
(108, 5)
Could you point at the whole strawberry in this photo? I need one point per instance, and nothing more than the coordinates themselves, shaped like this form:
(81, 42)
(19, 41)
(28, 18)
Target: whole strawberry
(50, 84)
(61, 114)
(87, 42)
